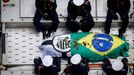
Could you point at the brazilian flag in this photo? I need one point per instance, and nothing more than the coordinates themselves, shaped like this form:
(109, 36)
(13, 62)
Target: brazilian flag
(96, 47)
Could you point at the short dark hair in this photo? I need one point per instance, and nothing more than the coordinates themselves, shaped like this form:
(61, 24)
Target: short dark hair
(106, 60)
(124, 60)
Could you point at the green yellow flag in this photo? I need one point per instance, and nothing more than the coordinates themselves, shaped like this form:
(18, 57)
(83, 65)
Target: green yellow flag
(96, 47)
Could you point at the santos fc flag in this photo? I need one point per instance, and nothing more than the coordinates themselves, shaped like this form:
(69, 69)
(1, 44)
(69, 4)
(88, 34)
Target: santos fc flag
(96, 47)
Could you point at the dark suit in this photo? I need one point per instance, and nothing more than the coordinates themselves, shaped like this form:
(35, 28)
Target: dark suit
(51, 70)
(77, 70)
(84, 10)
(120, 6)
(45, 6)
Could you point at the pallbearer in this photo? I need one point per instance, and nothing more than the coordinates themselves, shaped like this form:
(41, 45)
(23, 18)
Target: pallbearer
(47, 66)
(78, 66)
(46, 9)
(80, 8)
(122, 8)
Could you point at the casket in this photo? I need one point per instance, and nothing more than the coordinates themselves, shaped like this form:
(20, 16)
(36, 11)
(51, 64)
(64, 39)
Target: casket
(92, 46)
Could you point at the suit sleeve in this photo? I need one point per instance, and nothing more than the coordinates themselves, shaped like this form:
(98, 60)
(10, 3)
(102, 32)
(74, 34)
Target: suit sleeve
(37, 3)
(109, 4)
(128, 5)
(89, 7)
(54, 4)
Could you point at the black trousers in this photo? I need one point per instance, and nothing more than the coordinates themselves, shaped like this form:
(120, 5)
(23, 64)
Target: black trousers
(124, 18)
(86, 23)
(52, 15)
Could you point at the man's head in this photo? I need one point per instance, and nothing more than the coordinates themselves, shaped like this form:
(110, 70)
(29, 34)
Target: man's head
(76, 59)
(106, 61)
(117, 65)
(47, 61)
(124, 60)
(78, 2)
